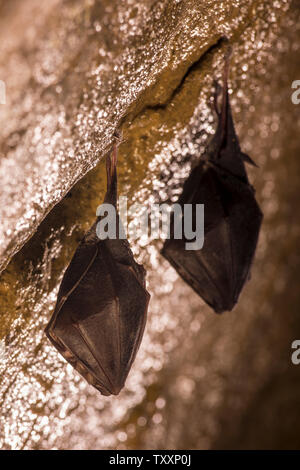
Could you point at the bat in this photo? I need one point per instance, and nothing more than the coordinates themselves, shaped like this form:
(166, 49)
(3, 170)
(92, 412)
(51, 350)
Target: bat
(101, 309)
(232, 219)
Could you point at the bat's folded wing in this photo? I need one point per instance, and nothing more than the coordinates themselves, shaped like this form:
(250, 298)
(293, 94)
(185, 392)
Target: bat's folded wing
(232, 219)
(99, 326)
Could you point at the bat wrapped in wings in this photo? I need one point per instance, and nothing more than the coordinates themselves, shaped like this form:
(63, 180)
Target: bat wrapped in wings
(232, 217)
(101, 309)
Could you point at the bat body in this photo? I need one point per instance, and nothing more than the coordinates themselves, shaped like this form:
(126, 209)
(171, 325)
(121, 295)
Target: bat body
(232, 218)
(101, 309)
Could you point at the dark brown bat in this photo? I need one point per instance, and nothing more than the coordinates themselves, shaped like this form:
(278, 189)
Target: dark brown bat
(232, 217)
(101, 309)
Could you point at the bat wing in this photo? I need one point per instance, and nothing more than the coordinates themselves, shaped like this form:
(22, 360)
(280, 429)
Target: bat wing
(207, 270)
(244, 222)
(218, 271)
(94, 329)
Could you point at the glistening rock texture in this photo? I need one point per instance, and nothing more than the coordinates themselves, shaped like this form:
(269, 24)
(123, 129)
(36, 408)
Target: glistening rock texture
(74, 71)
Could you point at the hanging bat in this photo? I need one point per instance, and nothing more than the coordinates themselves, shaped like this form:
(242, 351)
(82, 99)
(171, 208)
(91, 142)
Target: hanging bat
(232, 219)
(102, 303)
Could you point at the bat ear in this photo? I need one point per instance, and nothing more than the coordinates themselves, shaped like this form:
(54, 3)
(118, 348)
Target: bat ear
(247, 159)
